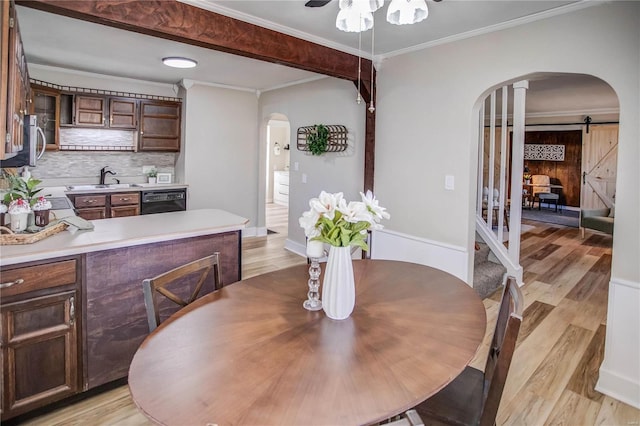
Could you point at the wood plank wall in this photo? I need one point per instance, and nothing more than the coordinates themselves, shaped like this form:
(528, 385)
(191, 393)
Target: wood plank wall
(566, 173)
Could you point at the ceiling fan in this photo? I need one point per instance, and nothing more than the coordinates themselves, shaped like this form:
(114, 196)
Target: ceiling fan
(320, 3)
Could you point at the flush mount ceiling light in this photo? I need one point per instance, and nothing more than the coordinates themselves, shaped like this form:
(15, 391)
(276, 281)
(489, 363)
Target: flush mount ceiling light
(178, 62)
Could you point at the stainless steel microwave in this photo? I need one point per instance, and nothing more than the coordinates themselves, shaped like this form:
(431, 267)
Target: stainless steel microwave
(30, 153)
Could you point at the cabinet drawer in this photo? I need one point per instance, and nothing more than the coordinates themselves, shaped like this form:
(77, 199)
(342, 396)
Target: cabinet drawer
(125, 199)
(38, 277)
(90, 201)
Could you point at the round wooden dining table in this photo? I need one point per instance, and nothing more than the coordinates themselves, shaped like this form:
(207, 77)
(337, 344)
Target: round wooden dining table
(250, 354)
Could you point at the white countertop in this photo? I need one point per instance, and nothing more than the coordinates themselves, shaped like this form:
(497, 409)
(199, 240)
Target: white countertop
(138, 188)
(125, 232)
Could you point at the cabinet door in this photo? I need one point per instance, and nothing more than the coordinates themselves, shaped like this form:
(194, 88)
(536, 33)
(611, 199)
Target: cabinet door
(93, 213)
(123, 211)
(159, 126)
(90, 111)
(123, 113)
(17, 87)
(46, 106)
(39, 352)
(4, 71)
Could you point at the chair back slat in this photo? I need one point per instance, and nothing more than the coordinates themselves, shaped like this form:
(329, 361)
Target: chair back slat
(501, 350)
(152, 287)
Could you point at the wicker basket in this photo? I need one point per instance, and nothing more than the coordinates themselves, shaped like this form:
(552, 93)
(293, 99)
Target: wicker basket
(8, 237)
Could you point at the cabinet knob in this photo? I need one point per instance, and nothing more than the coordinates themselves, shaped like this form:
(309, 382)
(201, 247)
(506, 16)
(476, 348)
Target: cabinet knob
(12, 283)
(124, 199)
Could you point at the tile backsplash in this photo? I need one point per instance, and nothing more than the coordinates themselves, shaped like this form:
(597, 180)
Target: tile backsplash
(100, 139)
(76, 167)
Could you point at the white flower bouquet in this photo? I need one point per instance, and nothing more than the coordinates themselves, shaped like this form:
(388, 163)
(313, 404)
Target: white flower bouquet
(333, 221)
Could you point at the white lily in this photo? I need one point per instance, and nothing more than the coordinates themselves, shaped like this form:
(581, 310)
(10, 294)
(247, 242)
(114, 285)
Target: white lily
(354, 212)
(347, 228)
(326, 204)
(372, 205)
(308, 222)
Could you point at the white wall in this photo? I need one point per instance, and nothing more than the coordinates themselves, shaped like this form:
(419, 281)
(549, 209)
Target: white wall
(427, 128)
(219, 158)
(326, 101)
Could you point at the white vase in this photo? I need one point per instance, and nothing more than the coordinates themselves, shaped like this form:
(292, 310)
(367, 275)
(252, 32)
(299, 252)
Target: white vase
(338, 287)
(152, 179)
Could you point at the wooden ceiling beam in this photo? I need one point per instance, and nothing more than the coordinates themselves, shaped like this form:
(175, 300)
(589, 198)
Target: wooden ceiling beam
(188, 24)
(173, 20)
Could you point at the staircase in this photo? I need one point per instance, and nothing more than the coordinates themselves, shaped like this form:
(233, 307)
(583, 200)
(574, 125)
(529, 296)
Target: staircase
(488, 272)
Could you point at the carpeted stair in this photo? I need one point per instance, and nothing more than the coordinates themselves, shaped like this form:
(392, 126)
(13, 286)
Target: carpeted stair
(488, 272)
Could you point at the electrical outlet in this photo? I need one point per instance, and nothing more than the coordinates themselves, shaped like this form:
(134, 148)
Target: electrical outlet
(147, 169)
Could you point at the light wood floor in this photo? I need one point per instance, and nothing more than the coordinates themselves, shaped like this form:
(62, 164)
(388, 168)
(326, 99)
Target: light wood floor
(560, 347)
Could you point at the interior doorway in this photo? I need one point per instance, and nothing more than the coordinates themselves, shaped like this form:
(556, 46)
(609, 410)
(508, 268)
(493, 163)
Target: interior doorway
(277, 178)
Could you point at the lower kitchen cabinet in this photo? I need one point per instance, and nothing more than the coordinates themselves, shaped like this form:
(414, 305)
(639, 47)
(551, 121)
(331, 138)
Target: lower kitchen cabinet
(126, 204)
(40, 312)
(91, 207)
(101, 206)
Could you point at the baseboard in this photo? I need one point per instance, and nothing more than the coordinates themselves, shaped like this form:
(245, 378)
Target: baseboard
(297, 248)
(391, 245)
(618, 387)
(620, 372)
(254, 232)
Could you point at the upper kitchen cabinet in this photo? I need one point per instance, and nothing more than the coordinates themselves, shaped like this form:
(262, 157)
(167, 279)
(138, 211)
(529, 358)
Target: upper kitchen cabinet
(46, 106)
(123, 113)
(15, 90)
(59, 108)
(90, 111)
(159, 126)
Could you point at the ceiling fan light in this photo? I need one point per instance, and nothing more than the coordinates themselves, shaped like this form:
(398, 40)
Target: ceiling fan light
(178, 62)
(354, 21)
(403, 12)
(363, 6)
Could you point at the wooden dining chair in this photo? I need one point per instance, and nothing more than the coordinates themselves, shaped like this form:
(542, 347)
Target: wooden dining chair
(182, 275)
(474, 396)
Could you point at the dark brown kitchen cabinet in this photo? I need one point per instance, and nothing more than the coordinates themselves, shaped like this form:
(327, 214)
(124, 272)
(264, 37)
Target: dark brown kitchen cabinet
(123, 113)
(90, 111)
(159, 126)
(15, 92)
(46, 106)
(101, 206)
(90, 207)
(40, 313)
(125, 204)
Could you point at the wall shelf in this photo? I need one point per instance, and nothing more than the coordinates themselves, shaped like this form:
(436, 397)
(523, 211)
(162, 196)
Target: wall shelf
(337, 137)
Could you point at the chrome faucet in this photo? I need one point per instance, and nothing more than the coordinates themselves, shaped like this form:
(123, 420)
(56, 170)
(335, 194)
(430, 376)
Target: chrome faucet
(104, 172)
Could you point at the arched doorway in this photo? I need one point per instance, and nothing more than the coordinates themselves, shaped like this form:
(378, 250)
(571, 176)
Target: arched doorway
(566, 277)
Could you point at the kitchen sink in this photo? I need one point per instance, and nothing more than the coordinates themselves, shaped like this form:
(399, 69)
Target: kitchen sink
(105, 186)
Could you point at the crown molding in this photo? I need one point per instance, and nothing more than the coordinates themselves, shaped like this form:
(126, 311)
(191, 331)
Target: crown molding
(241, 16)
(561, 10)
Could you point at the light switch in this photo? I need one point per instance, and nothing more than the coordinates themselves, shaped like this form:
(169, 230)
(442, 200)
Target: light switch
(304, 178)
(449, 182)
(295, 166)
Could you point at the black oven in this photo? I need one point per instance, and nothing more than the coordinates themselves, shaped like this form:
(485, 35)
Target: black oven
(163, 200)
